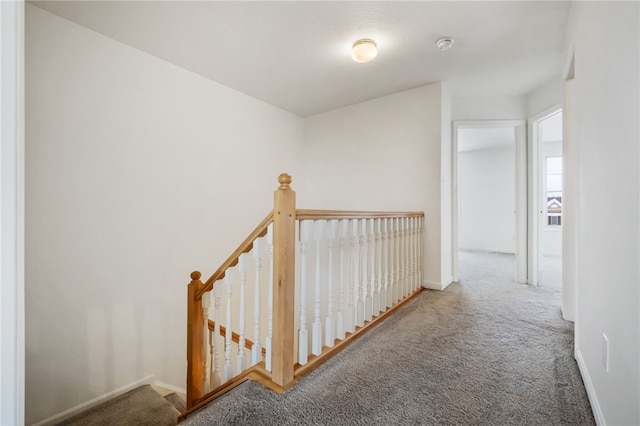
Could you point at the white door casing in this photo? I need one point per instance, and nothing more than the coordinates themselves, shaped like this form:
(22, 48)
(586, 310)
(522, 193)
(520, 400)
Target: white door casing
(519, 128)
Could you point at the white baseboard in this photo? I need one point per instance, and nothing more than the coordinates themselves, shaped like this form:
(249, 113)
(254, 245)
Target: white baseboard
(432, 285)
(591, 393)
(171, 387)
(67, 414)
(565, 316)
(488, 250)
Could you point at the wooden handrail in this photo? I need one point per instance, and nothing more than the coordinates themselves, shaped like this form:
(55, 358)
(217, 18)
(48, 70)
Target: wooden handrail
(306, 214)
(245, 247)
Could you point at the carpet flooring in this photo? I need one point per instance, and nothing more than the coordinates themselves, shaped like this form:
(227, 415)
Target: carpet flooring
(140, 407)
(486, 351)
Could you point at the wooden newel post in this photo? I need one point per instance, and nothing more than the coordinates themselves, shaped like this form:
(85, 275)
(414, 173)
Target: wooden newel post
(284, 238)
(195, 321)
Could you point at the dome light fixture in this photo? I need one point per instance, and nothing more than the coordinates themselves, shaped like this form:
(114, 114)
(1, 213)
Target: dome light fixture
(444, 43)
(364, 50)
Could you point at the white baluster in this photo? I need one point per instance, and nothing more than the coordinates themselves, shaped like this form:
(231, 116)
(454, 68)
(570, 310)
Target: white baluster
(362, 275)
(368, 265)
(353, 281)
(377, 267)
(392, 272)
(256, 349)
(206, 341)
(316, 333)
(211, 370)
(403, 269)
(396, 259)
(329, 321)
(409, 257)
(340, 317)
(399, 268)
(406, 261)
(385, 264)
(228, 367)
(269, 339)
(241, 360)
(414, 248)
(303, 339)
(403, 258)
(421, 250)
(216, 378)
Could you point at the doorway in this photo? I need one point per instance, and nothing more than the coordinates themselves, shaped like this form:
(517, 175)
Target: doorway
(489, 194)
(546, 189)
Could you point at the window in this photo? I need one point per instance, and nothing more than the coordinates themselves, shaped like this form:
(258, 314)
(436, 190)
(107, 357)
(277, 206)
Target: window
(554, 191)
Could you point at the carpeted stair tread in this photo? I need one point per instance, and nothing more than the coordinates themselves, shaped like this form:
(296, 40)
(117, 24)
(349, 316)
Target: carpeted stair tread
(141, 407)
(175, 400)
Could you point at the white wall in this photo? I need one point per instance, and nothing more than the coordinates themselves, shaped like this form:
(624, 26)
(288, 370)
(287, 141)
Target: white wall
(545, 96)
(138, 172)
(446, 192)
(489, 108)
(383, 154)
(487, 199)
(607, 70)
(569, 203)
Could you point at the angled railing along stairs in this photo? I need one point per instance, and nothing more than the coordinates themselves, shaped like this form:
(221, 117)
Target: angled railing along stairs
(301, 286)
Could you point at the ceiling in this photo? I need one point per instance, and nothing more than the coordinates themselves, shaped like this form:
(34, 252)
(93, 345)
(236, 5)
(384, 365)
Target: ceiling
(296, 54)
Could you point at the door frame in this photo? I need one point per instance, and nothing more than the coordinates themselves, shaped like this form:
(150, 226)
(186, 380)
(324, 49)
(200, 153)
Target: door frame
(12, 195)
(535, 186)
(520, 136)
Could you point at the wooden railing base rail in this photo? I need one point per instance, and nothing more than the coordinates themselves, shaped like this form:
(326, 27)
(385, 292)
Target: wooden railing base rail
(256, 373)
(217, 392)
(316, 361)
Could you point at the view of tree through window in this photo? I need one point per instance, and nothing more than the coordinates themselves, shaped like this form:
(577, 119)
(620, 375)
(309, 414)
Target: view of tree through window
(554, 191)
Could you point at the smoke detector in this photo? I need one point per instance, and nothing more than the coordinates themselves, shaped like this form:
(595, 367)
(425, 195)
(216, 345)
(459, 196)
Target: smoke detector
(444, 43)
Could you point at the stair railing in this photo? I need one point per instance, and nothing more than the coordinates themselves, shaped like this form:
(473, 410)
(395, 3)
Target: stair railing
(300, 287)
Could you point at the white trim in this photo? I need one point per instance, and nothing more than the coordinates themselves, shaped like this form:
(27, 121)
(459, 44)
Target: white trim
(571, 189)
(487, 250)
(591, 392)
(455, 209)
(534, 182)
(432, 285)
(67, 414)
(522, 255)
(519, 127)
(12, 212)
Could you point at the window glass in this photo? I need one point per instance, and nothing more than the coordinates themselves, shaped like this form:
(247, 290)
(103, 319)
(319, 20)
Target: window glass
(554, 191)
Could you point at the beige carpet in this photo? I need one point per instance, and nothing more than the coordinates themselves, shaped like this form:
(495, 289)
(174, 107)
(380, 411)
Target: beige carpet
(142, 406)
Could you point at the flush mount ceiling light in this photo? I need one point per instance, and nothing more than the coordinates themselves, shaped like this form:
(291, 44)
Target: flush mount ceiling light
(364, 50)
(444, 43)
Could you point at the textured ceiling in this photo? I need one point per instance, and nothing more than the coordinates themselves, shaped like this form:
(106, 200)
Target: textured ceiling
(296, 55)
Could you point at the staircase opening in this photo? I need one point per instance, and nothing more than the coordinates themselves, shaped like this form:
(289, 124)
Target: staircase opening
(302, 286)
